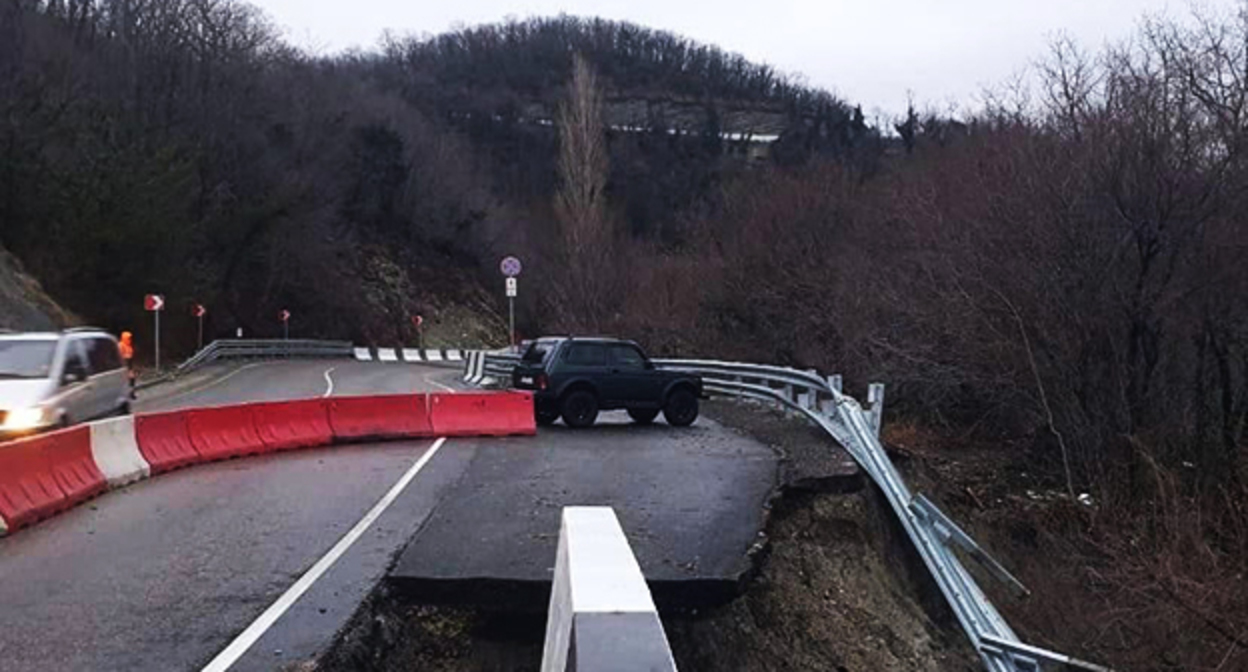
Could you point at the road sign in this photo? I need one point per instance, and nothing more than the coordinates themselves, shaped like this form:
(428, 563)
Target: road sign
(153, 303)
(511, 288)
(510, 267)
(284, 316)
(200, 311)
(418, 320)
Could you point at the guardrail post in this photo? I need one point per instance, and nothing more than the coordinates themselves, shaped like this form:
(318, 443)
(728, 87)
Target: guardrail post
(875, 407)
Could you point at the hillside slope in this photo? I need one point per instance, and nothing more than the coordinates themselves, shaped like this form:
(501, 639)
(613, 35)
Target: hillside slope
(24, 306)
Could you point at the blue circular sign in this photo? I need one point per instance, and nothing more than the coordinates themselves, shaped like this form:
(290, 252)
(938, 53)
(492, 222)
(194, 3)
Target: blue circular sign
(510, 267)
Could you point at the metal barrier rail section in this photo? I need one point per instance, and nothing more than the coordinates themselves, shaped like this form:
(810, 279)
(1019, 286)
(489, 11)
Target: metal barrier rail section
(265, 349)
(933, 534)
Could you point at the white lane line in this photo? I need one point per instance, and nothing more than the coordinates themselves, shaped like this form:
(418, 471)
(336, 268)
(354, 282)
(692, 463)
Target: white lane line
(329, 382)
(448, 388)
(214, 383)
(261, 625)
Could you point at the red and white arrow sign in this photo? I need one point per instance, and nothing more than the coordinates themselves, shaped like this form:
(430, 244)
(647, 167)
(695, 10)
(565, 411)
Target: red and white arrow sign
(284, 316)
(153, 303)
(200, 310)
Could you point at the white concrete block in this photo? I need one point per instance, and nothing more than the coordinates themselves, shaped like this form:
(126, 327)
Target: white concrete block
(363, 355)
(116, 452)
(600, 600)
(387, 355)
(411, 355)
(454, 356)
(433, 355)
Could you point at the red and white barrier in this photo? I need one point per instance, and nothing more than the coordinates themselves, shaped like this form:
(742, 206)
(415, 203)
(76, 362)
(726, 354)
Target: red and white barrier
(45, 474)
(116, 452)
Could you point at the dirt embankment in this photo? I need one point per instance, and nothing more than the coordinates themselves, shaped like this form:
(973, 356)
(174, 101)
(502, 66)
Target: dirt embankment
(24, 306)
(838, 588)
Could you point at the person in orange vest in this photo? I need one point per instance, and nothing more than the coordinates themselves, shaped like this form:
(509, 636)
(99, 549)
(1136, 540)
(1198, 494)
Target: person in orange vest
(126, 345)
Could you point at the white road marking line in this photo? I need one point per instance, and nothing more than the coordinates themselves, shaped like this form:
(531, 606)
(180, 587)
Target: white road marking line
(329, 382)
(261, 625)
(448, 388)
(214, 383)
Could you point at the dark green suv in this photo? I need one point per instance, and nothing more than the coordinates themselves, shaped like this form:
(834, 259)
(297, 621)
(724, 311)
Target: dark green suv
(575, 378)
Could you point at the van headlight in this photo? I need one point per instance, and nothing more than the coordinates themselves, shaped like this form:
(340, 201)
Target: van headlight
(20, 419)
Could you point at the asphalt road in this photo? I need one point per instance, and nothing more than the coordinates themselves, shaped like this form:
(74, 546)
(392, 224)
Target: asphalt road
(691, 501)
(165, 574)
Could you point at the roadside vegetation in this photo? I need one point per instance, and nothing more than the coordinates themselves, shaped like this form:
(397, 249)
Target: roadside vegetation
(1053, 285)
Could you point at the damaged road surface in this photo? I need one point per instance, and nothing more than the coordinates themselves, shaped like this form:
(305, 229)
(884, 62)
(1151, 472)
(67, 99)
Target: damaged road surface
(692, 502)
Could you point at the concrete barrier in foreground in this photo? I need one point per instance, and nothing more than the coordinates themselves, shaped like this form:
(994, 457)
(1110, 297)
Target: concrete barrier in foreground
(601, 615)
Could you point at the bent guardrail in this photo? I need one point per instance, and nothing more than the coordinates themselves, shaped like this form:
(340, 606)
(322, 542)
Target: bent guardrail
(933, 534)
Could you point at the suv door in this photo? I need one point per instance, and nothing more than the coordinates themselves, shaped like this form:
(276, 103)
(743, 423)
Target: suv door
(584, 359)
(630, 381)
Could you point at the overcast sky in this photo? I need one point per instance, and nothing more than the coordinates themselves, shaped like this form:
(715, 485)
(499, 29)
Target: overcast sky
(868, 51)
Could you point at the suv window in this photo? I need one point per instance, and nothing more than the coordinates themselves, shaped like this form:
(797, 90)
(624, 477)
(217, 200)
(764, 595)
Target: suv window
(587, 354)
(102, 354)
(537, 351)
(627, 357)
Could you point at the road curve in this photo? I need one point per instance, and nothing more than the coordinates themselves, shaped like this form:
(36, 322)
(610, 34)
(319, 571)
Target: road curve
(162, 575)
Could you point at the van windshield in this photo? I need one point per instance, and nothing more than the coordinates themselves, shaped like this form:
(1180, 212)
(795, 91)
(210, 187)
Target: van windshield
(26, 359)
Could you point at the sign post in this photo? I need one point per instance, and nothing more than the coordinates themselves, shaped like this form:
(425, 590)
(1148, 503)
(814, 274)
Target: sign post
(511, 268)
(419, 322)
(155, 303)
(285, 317)
(200, 311)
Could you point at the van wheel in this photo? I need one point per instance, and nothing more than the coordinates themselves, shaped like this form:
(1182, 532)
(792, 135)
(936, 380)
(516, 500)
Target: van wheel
(681, 408)
(124, 410)
(579, 409)
(643, 416)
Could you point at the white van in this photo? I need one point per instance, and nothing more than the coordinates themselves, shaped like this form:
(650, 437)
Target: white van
(50, 380)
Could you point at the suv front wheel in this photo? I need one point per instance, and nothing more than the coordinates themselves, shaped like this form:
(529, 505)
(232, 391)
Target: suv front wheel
(579, 408)
(681, 408)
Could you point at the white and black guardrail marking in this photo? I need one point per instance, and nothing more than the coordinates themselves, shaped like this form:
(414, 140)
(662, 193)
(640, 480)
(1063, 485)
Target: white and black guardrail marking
(411, 355)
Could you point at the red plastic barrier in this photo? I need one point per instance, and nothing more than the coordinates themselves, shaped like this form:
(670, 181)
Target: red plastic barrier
(483, 414)
(225, 432)
(385, 417)
(164, 441)
(73, 465)
(286, 425)
(28, 488)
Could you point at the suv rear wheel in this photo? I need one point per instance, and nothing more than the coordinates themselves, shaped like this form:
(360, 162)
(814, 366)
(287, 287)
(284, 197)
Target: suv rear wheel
(681, 408)
(579, 408)
(643, 416)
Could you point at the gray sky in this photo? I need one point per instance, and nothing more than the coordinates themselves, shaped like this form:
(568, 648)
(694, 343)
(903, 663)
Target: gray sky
(868, 51)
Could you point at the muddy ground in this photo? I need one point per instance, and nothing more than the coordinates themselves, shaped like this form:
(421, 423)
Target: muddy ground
(838, 588)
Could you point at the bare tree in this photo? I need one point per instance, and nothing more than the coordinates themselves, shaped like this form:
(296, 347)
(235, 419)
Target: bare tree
(581, 202)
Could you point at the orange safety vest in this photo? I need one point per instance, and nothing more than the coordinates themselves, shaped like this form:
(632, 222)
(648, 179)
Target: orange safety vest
(127, 350)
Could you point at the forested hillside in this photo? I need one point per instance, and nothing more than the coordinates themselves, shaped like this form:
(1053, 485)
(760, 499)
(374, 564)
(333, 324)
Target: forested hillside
(180, 147)
(1058, 276)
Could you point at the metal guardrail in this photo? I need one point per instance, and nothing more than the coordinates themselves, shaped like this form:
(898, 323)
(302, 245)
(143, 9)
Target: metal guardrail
(265, 349)
(933, 534)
